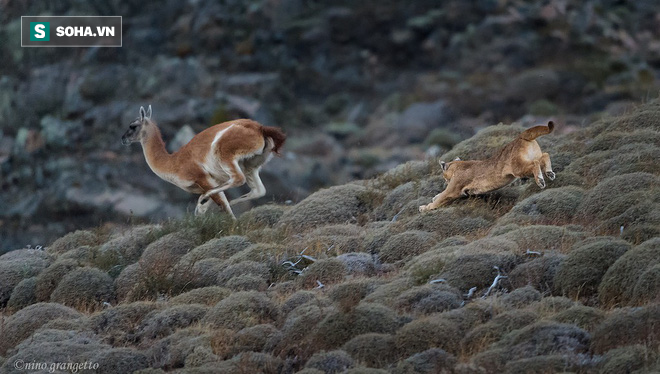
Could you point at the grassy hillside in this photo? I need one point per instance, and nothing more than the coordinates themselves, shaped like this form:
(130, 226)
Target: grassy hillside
(354, 280)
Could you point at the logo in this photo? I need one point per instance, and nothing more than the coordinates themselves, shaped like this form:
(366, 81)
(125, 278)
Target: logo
(39, 31)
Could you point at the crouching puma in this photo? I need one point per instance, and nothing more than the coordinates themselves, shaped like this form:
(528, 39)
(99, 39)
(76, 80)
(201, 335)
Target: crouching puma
(522, 158)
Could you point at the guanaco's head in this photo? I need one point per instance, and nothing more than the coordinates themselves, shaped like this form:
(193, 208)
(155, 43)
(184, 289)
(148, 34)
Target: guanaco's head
(137, 129)
(447, 169)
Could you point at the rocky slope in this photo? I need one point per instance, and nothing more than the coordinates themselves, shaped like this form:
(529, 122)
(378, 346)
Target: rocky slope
(360, 87)
(354, 280)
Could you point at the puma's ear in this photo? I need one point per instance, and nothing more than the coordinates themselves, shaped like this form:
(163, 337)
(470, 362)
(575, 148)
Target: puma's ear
(149, 112)
(457, 159)
(443, 165)
(142, 113)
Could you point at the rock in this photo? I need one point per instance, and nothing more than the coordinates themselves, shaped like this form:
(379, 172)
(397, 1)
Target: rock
(60, 133)
(182, 137)
(417, 121)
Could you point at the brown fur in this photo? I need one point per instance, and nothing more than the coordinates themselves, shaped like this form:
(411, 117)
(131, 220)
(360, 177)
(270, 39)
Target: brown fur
(204, 167)
(522, 158)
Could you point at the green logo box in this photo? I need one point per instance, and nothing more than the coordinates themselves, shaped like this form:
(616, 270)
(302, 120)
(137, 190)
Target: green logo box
(40, 31)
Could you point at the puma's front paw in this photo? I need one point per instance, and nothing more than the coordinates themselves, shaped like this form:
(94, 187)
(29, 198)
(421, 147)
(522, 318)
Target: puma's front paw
(550, 174)
(541, 182)
(424, 208)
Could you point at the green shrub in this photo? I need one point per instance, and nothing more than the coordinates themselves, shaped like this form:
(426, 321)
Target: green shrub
(257, 362)
(84, 288)
(520, 297)
(541, 364)
(119, 325)
(482, 336)
(23, 323)
(542, 238)
(261, 216)
(372, 349)
(549, 306)
(48, 279)
(205, 295)
(18, 265)
(297, 299)
(332, 362)
(128, 284)
(387, 293)
(130, 244)
(574, 279)
(220, 248)
(172, 351)
(429, 299)
(163, 322)
(552, 206)
(257, 269)
(23, 294)
(203, 356)
(256, 338)
(359, 264)
(339, 204)
(431, 361)
(647, 289)
(538, 273)
(428, 332)
(326, 271)
(261, 252)
(601, 196)
(337, 328)
(204, 273)
(240, 310)
(349, 294)
(628, 359)
(361, 370)
(120, 360)
(299, 327)
(406, 245)
(74, 240)
(404, 173)
(619, 282)
(477, 270)
(627, 326)
(582, 316)
(427, 266)
(446, 222)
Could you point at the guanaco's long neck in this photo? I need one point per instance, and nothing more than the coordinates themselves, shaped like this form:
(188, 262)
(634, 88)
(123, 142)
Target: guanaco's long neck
(154, 150)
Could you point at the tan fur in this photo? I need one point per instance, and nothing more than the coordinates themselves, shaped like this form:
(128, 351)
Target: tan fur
(223, 156)
(522, 158)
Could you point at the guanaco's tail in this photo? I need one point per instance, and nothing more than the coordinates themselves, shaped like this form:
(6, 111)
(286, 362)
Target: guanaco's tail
(276, 134)
(536, 131)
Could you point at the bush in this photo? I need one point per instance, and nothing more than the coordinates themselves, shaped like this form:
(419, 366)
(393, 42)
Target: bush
(582, 316)
(120, 360)
(339, 204)
(119, 325)
(172, 351)
(538, 273)
(628, 326)
(431, 361)
(542, 364)
(333, 362)
(48, 279)
(130, 244)
(261, 252)
(206, 295)
(574, 279)
(549, 306)
(646, 290)
(129, 284)
(601, 196)
(542, 238)
(240, 310)
(359, 264)
(406, 245)
(84, 288)
(387, 293)
(448, 222)
(18, 265)
(372, 349)
(297, 299)
(220, 248)
(326, 271)
(299, 327)
(161, 323)
(349, 294)
(619, 282)
(337, 328)
(256, 338)
(23, 294)
(257, 362)
(256, 269)
(429, 265)
(429, 299)
(628, 359)
(23, 323)
(481, 337)
(261, 216)
(476, 270)
(520, 297)
(74, 240)
(552, 206)
(203, 273)
(425, 333)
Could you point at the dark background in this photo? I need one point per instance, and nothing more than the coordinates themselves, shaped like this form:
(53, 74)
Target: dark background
(359, 86)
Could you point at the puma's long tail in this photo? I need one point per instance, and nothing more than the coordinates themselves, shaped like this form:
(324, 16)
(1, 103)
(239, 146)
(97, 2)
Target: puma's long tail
(536, 131)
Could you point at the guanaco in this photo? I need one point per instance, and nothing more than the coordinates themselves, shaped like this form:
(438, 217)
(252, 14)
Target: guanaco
(223, 156)
(522, 158)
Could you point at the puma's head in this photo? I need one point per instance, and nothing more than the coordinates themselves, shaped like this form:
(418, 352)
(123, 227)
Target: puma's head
(448, 170)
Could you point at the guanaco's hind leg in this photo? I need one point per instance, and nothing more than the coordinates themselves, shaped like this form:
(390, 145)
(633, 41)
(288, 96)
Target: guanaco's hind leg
(450, 193)
(546, 165)
(236, 179)
(257, 188)
(219, 198)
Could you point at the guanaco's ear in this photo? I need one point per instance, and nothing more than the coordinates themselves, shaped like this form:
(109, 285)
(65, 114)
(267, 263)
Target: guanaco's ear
(142, 113)
(149, 112)
(443, 165)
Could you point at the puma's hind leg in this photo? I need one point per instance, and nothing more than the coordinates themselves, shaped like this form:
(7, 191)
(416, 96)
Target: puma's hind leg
(538, 174)
(546, 165)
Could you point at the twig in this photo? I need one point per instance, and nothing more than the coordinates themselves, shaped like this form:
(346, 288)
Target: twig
(495, 282)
